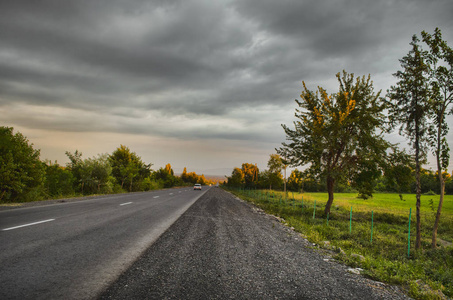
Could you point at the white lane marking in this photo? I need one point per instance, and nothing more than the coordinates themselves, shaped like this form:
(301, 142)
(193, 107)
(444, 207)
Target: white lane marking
(29, 224)
(125, 203)
(171, 194)
(156, 197)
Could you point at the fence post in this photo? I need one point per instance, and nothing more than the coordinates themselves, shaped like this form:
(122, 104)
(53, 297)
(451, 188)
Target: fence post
(302, 205)
(350, 221)
(314, 210)
(409, 235)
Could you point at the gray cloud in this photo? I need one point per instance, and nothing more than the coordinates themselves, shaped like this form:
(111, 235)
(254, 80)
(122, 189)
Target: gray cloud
(191, 69)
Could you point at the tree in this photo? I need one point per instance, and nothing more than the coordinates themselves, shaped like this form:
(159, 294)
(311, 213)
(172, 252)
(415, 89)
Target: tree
(296, 181)
(21, 171)
(127, 166)
(398, 173)
(337, 134)
(275, 165)
(90, 174)
(236, 179)
(166, 176)
(59, 180)
(409, 101)
(268, 179)
(250, 172)
(440, 57)
(100, 171)
(75, 166)
(364, 180)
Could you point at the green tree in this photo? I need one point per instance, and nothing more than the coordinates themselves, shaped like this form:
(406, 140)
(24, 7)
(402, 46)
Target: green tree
(440, 57)
(409, 100)
(166, 176)
(21, 171)
(75, 166)
(275, 165)
(364, 179)
(296, 181)
(236, 179)
(398, 173)
(128, 167)
(59, 180)
(268, 179)
(100, 172)
(337, 134)
(250, 172)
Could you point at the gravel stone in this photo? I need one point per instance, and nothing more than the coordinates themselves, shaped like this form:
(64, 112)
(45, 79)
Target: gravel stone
(224, 248)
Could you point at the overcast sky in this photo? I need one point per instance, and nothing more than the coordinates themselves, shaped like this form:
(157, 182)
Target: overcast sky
(198, 84)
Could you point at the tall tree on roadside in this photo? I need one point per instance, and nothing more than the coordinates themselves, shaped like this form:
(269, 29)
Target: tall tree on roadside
(21, 172)
(337, 134)
(440, 57)
(236, 179)
(409, 108)
(250, 172)
(75, 166)
(275, 165)
(127, 166)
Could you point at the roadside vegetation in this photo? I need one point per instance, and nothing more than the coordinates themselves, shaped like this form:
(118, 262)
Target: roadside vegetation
(24, 177)
(384, 256)
(339, 142)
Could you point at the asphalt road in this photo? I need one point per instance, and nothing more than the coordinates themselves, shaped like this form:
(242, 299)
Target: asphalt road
(74, 250)
(223, 248)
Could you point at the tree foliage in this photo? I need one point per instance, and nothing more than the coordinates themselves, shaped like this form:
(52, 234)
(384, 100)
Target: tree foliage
(128, 168)
(273, 175)
(21, 172)
(409, 109)
(337, 135)
(236, 179)
(166, 176)
(59, 181)
(440, 58)
(250, 172)
(194, 178)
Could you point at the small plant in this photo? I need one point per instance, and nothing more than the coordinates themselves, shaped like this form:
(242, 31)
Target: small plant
(431, 204)
(430, 193)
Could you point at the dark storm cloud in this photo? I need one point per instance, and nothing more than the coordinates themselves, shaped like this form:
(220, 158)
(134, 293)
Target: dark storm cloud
(201, 59)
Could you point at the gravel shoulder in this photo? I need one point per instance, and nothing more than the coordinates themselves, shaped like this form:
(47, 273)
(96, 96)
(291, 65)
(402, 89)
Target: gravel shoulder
(224, 248)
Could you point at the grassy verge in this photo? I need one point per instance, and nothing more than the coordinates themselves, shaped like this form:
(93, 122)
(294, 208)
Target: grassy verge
(384, 255)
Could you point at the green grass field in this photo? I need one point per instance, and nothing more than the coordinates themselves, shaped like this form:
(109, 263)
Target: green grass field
(386, 251)
(390, 203)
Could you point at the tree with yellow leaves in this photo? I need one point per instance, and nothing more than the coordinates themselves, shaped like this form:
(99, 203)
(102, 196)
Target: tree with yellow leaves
(340, 135)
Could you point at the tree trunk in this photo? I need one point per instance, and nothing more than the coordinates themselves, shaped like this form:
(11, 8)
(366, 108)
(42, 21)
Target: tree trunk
(418, 190)
(439, 209)
(330, 186)
(285, 184)
(442, 189)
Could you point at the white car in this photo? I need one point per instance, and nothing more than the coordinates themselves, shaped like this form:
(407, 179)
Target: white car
(197, 187)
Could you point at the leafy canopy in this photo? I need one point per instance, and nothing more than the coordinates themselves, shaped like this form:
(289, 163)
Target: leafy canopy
(338, 135)
(21, 172)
